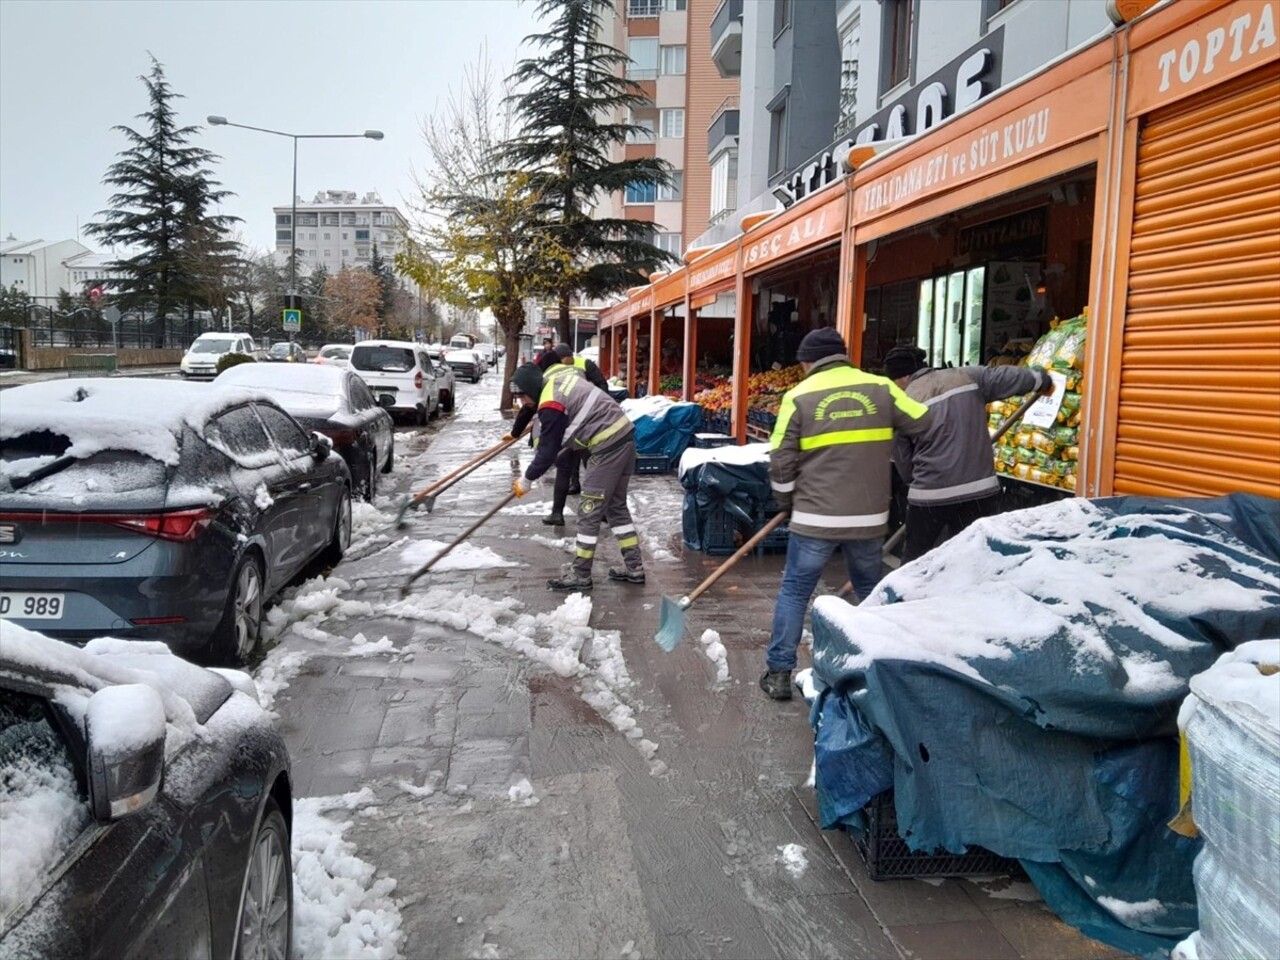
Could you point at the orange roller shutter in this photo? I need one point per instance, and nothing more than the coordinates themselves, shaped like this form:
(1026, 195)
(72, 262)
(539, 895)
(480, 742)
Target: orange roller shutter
(1199, 401)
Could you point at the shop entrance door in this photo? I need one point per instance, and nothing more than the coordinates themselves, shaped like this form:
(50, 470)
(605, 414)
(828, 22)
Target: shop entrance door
(949, 330)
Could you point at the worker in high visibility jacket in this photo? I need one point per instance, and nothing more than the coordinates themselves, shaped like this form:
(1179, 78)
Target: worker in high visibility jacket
(574, 414)
(829, 466)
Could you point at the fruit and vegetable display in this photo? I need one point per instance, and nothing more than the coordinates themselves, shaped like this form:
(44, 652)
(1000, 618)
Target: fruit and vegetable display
(1039, 454)
(764, 391)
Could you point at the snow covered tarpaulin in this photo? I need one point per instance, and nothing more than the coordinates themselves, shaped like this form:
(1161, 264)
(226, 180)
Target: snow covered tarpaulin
(1018, 688)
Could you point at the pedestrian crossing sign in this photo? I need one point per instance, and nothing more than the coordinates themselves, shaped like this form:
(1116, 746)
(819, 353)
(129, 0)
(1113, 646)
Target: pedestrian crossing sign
(293, 320)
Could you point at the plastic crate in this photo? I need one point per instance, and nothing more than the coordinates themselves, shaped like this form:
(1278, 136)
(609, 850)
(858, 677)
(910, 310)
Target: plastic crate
(707, 441)
(776, 541)
(888, 857)
(719, 538)
(653, 463)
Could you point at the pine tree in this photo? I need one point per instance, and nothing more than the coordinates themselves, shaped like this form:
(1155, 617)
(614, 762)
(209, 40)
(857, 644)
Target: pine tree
(315, 316)
(382, 269)
(568, 94)
(164, 210)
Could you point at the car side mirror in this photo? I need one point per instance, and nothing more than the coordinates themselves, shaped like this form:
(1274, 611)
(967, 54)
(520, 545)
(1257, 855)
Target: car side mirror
(386, 401)
(320, 446)
(125, 731)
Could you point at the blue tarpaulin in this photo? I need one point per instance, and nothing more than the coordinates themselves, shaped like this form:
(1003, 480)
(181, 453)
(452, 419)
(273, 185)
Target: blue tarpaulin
(668, 433)
(1018, 689)
(741, 490)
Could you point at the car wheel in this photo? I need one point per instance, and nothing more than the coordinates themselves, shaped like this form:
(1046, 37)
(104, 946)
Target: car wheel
(240, 629)
(368, 484)
(391, 455)
(448, 401)
(421, 415)
(341, 531)
(266, 896)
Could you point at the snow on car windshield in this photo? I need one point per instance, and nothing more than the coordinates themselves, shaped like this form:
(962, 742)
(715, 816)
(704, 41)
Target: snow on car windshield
(144, 416)
(382, 359)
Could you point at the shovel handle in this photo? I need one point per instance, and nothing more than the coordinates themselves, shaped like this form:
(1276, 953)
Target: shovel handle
(1015, 416)
(461, 538)
(473, 462)
(743, 550)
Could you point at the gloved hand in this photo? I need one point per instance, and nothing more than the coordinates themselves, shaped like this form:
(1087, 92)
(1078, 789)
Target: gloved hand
(507, 438)
(520, 486)
(1046, 386)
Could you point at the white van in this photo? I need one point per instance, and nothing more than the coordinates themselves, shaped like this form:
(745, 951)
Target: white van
(402, 371)
(201, 358)
(461, 341)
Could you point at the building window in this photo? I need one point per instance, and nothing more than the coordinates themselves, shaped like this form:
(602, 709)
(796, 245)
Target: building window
(778, 139)
(672, 60)
(639, 9)
(672, 123)
(724, 184)
(850, 44)
(676, 188)
(328, 236)
(642, 192)
(311, 235)
(283, 234)
(328, 219)
(643, 52)
(781, 15)
(307, 220)
(346, 253)
(674, 6)
(362, 234)
(995, 6)
(899, 22)
(283, 219)
(328, 254)
(670, 242)
(646, 125)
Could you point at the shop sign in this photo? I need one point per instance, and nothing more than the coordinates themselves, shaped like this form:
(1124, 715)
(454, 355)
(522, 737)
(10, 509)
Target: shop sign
(1058, 118)
(826, 221)
(1215, 48)
(705, 276)
(643, 305)
(956, 87)
(1022, 233)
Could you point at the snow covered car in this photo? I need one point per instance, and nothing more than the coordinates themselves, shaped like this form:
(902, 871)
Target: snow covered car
(159, 510)
(331, 401)
(145, 806)
(465, 363)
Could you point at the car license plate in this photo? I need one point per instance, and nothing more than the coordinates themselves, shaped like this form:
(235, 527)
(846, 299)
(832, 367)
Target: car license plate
(31, 606)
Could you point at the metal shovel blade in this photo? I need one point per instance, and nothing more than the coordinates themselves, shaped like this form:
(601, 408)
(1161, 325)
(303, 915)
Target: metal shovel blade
(401, 514)
(430, 502)
(671, 623)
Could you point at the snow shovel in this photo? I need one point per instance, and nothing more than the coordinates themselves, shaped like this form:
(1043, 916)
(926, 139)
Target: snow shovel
(404, 590)
(671, 622)
(428, 494)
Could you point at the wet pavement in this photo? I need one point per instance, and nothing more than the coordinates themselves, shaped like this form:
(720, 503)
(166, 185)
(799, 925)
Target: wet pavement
(662, 803)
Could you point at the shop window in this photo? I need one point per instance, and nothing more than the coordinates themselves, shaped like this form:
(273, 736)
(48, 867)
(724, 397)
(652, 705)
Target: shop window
(778, 139)
(672, 125)
(781, 15)
(641, 192)
(643, 52)
(949, 328)
(672, 61)
(890, 320)
(899, 24)
(850, 44)
(675, 189)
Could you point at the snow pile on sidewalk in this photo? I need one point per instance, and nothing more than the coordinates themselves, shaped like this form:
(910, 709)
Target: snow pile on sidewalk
(715, 652)
(466, 557)
(339, 909)
(562, 640)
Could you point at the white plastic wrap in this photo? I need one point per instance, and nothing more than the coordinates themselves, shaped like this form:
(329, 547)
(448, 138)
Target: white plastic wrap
(1232, 725)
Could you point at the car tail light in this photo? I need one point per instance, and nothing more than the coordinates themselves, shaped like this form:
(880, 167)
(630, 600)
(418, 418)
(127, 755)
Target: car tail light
(155, 621)
(340, 438)
(180, 526)
(417, 380)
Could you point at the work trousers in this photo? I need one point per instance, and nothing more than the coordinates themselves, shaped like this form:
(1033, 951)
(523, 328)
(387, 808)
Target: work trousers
(604, 500)
(806, 557)
(929, 526)
(568, 474)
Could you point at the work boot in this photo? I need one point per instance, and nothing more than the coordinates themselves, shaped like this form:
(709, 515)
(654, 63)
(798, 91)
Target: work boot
(570, 580)
(574, 490)
(626, 575)
(554, 519)
(776, 684)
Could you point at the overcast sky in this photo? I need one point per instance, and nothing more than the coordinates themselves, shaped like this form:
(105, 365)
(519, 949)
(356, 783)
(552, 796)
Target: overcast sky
(69, 69)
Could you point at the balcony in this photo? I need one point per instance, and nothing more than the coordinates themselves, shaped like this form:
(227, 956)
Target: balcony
(643, 9)
(726, 38)
(722, 134)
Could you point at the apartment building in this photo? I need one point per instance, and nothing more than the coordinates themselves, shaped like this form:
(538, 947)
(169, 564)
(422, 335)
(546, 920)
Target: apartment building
(692, 114)
(334, 230)
(818, 76)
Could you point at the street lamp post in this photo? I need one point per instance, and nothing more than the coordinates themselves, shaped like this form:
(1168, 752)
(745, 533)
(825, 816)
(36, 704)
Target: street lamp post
(293, 217)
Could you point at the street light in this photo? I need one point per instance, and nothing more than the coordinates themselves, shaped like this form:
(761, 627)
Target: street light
(293, 217)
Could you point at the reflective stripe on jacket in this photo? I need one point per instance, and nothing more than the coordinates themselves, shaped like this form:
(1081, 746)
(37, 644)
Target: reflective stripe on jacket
(951, 462)
(831, 449)
(595, 418)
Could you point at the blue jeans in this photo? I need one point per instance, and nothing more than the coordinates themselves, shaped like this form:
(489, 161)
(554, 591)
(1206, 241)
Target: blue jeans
(806, 556)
